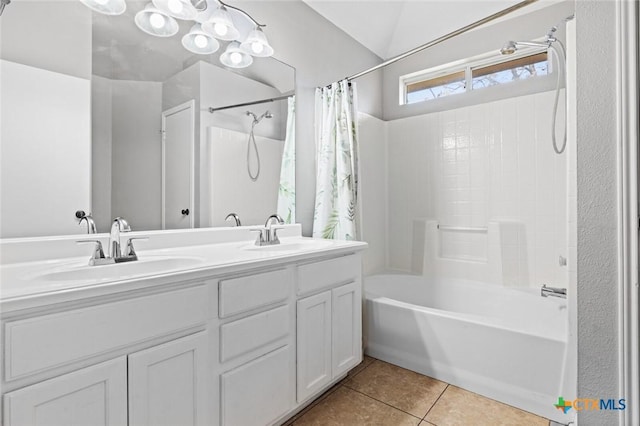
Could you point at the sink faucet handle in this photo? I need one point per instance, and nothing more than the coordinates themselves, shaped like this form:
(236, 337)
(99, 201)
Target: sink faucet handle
(130, 249)
(98, 252)
(260, 240)
(274, 234)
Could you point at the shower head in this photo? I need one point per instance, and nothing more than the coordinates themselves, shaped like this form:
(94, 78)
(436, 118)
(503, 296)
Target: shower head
(512, 47)
(257, 119)
(509, 48)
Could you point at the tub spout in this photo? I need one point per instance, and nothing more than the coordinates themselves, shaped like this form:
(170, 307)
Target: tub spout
(553, 292)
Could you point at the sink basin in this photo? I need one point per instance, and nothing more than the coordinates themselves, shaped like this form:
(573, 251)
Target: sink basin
(119, 271)
(294, 245)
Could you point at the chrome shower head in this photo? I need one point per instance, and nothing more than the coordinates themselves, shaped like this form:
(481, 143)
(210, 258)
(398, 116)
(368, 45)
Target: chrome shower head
(509, 48)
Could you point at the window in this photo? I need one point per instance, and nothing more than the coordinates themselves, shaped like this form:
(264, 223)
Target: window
(505, 72)
(473, 74)
(436, 87)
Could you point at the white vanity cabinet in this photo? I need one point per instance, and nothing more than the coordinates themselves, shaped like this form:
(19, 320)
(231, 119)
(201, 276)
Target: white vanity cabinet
(156, 372)
(168, 383)
(250, 346)
(95, 395)
(329, 333)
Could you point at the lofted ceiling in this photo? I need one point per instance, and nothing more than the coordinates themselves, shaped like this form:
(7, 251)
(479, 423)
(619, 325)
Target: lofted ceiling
(391, 27)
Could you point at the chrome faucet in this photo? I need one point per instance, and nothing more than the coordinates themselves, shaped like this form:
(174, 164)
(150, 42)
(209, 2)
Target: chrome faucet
(268, 235)
(119, 225)
(553, 292)
(91, 225)
(235, 217)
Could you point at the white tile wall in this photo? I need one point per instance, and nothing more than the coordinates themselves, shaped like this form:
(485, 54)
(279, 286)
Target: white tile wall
(470, 165)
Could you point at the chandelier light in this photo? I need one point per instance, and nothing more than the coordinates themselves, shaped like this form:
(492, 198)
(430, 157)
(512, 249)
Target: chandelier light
(235, 57)
(180, 9)
(220, 25)
(213, 21)
(200, 42)
(257, 44)
(156, 22)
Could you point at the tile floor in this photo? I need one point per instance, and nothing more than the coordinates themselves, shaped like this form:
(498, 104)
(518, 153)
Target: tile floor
(378, 393)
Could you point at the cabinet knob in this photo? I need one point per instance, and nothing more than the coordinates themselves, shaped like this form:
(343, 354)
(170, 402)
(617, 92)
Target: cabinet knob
(185, 212)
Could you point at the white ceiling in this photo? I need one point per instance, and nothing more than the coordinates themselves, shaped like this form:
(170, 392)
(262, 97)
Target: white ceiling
(391, 27)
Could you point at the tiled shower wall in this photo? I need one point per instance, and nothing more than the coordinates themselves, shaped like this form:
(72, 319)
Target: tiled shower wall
(488, 162)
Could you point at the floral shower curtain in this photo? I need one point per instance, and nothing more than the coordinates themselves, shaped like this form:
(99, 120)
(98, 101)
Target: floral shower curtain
(336, 210)
(287, 190)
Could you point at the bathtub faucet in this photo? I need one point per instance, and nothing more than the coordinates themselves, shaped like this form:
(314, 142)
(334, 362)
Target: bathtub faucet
(553, 292)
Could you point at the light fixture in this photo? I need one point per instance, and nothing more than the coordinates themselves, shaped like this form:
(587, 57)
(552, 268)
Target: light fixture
(235, 57)
(107, 7)
(158, 18)
(181, 9)
(220, 25)
(156, 22)
(257, 44)
(197, 41)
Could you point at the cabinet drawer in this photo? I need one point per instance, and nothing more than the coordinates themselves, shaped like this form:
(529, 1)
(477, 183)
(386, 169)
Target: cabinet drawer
(328, 273)
(36, 344)
(251, 333)
(259, 392)
(243, 294)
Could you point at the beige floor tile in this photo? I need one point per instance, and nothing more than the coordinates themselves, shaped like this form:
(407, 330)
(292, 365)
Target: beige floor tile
(458, 407)
(350, 408)
(400, 388)
(366, 361)
(423, 423)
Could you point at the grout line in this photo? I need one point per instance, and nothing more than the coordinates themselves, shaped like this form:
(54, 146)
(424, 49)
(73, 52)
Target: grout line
(387, 404)
(434, 404)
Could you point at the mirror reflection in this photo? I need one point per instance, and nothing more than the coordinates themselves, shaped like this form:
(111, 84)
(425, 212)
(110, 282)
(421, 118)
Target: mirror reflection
(99, 116)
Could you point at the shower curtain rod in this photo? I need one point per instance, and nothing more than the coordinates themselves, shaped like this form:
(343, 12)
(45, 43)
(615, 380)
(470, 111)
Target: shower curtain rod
(446, 37)
(262, 101)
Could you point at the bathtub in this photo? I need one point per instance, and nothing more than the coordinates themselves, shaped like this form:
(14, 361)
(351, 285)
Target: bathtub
(506, 344)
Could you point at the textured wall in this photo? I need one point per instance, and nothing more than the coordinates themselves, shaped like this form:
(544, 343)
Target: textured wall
(597, 212)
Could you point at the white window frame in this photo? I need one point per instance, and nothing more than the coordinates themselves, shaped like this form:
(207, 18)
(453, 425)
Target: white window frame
(468, 65)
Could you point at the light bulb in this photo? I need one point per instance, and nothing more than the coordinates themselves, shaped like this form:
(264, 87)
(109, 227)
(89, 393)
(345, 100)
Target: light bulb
(257, 47)
(235, 57)
(175, 6)
(220, 29)
(200, 41)
(156, 20)
(102, 2)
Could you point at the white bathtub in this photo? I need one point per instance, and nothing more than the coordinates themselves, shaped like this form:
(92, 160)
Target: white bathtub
(506, 344)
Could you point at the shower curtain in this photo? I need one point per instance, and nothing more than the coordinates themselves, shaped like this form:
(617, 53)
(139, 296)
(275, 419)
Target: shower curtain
(287, 189)
(336, 209)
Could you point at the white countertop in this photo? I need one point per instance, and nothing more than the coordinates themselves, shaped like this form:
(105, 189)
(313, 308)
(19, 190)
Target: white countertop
(33, 283)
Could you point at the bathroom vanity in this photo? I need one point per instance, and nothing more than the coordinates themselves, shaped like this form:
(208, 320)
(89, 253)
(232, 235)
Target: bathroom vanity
(194, 333)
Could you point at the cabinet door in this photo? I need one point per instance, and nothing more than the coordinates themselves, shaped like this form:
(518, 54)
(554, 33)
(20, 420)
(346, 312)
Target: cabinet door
(258, 392)
(93, 396)
(314, 344)
(346, 337)
(168, 383)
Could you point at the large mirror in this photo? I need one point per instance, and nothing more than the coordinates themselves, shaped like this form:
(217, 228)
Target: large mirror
(99, 116)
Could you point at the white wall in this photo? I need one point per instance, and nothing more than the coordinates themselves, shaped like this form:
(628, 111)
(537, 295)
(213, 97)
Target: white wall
(45, 152)
(373, 191)
(231, 188)
(101, 155)
(52, 35)
(471, 165)
(137, 153)
(597, 242)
